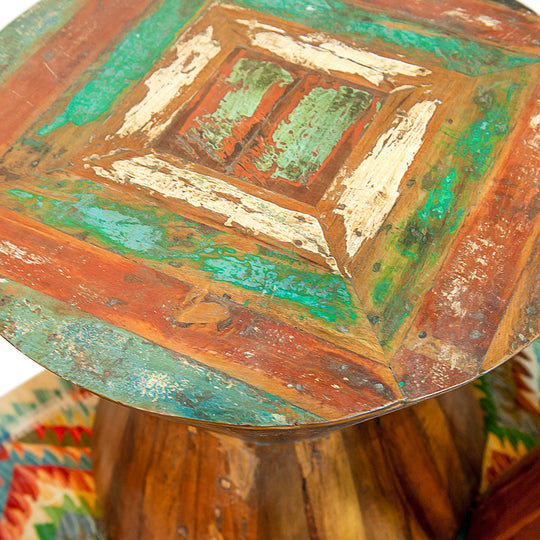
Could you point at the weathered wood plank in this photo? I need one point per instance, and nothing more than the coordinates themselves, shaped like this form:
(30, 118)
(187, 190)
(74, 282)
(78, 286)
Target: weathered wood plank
(221, 202)
(74, 117)
(66, 55)
(111, 361)
(382, 30)
(399, 266)
(487, 20)
(25, 35)
(212, 330)
(470, 295)
(366, 189)
(230, 106)
(227, 265)
(409, 475)
(521, 322)
(294, 153)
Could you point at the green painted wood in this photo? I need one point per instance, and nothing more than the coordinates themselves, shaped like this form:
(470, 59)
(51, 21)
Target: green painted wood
(277, 135)
(413, 247)
(113, 362)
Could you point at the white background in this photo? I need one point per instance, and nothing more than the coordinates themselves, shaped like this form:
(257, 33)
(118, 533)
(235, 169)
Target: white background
(15, 368)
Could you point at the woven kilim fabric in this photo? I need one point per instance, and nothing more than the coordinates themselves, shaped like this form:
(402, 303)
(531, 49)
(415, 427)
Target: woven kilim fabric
(46, 485)
(510, 398)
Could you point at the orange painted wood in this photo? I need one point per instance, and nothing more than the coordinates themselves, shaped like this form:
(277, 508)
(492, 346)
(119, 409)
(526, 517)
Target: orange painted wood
(274, 219)
(173, 314)
(408, 475)
(331, 207)
(64, 57)
(463, 309)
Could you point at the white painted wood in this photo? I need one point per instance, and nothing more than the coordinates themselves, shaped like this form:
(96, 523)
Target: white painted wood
(165, 84)
(321, 52)
(371, 190)
(234, 207)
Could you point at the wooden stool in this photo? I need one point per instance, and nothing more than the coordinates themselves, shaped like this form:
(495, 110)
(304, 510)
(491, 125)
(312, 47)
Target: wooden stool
(411, 474)
(271, 221)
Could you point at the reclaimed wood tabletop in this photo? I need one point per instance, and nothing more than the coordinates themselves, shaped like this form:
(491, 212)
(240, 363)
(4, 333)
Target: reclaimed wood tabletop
(269, 212)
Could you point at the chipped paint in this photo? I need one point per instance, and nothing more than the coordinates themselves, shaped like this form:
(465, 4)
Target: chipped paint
(129, 62)
(534, 141)
(339, 18)
(238, 99)
(240, 209)
(460, 13)
(411, 250)
(320, 52)
(11, 250)
(166, 83)
(304, 140)
(128, 368)
(373, 188)
(165, 240)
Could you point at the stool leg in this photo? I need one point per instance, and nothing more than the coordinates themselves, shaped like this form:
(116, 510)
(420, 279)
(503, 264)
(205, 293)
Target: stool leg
(411, 474)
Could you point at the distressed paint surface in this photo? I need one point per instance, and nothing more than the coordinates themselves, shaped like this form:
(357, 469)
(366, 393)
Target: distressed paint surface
(301, 142)
(320, 52)
(233, 108)
(138, 51)
(471, 293)
(480, 18)
(45, 75)
(163, 86)
(27, 31)
(462, 55)
(69, 342)
(155, 235)
(370, 192)
(141, 47)
(241, 273)
(207, 328)
(237, 208)
(412, 247)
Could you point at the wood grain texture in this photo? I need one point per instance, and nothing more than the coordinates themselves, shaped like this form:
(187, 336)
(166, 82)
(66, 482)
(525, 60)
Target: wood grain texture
(331, 206)
(509, 509)
(177, 316)
(65, 56)
(411, 474)
(475, 17)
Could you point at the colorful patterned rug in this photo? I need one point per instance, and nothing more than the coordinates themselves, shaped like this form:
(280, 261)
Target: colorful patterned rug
(510, 398)
(46, 485)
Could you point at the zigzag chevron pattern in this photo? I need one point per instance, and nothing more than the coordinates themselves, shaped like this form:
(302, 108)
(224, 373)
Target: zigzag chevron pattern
(509, 396)
(46, 484)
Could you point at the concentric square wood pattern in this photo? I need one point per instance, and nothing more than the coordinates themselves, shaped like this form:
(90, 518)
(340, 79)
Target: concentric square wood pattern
(269, 213)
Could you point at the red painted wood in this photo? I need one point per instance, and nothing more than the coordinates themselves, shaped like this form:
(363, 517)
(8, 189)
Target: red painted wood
(463, 309)
(275, 356)
(66, 55)
(491, 251)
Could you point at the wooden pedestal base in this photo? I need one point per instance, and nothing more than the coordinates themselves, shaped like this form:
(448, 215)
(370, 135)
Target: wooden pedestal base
(410, 474)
